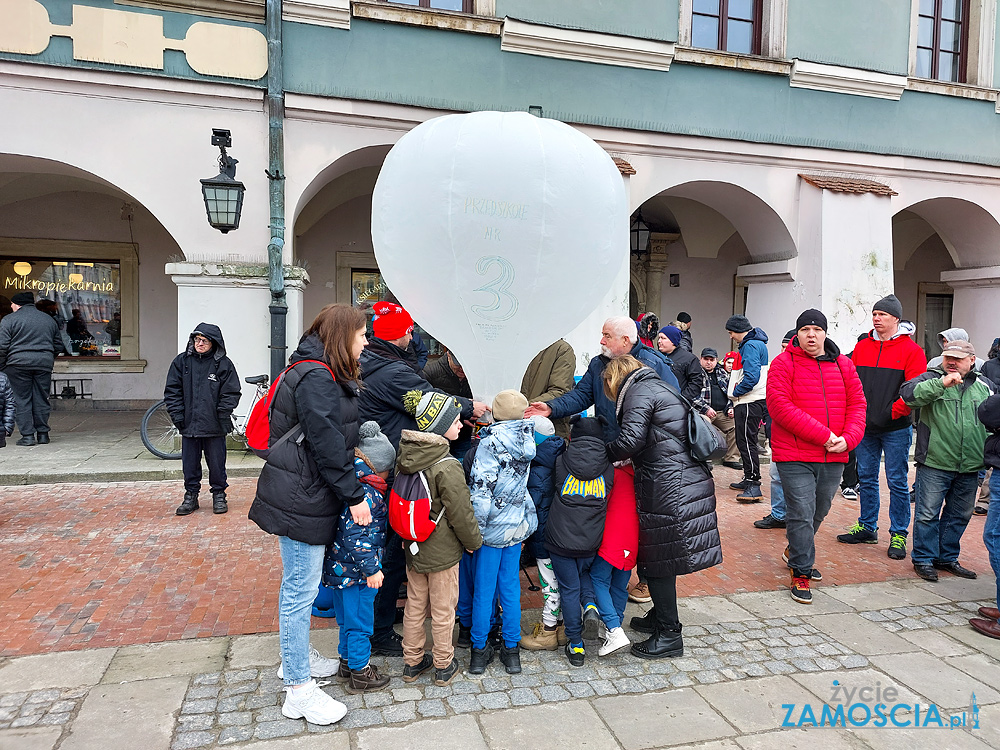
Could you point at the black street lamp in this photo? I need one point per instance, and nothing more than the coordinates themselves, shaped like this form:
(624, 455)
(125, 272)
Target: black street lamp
(638, 235)
(223, 193)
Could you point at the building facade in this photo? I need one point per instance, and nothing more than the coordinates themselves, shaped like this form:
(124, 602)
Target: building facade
(784, 154)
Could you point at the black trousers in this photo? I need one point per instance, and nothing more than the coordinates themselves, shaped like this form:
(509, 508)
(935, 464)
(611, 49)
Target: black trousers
(31, 388)
(748, 418)
(214, 449)
(394, 573)
(851, 471)
(663, 591)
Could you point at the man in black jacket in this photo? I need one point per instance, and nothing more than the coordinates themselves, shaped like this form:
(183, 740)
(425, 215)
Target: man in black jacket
(201, 392)
(686, 366)
(29, 340)
(388, 372)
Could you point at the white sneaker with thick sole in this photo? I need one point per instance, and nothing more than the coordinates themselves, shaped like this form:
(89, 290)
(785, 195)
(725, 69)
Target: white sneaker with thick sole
(616, 639)
(319, 665)
(312, 704)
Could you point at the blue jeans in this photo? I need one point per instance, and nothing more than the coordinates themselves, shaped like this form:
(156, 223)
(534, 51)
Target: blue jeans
(610, 590)
(497, 569)
(896, 447)
(777, 493)
(938, 530)
(991, 531)
(355, 608)
(301, 568)
(571, 573)
(466, 585)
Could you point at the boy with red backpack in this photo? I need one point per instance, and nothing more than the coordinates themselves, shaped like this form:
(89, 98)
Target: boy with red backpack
(432, 564)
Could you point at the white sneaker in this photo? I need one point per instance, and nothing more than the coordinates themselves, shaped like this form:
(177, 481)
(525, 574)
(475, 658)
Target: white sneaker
(319, 665)
(312, 704)
(615, 640)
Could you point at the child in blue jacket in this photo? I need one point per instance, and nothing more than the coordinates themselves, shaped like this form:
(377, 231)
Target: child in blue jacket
(353, 563)
(506, 517)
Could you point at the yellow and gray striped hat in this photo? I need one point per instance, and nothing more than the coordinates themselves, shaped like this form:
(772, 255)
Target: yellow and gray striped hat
(435, 412)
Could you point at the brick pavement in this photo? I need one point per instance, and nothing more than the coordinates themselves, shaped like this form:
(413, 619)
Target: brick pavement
(91, 565)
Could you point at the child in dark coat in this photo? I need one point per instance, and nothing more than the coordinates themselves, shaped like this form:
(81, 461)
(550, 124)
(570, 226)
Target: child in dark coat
(550, 633)
(353, 563)
(584, 478)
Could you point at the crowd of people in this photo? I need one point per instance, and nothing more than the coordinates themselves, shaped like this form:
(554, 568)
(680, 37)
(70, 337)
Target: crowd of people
(382, 469)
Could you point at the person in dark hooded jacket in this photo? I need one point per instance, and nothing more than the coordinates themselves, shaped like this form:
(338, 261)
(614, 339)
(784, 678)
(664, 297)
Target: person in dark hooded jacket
(575, 528)
(202, 391)
(7, 409)
(678, 528)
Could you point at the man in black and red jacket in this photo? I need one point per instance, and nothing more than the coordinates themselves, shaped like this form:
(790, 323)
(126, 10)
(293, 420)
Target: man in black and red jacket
(885, 358)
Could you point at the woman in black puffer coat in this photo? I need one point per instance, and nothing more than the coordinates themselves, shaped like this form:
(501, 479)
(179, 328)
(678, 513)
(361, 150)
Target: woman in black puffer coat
(678, 528)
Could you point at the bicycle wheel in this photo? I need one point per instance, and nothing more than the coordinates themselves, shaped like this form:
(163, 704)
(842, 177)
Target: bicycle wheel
(159, 434)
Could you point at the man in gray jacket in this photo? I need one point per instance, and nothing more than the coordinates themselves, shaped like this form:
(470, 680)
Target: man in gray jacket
(29, 340)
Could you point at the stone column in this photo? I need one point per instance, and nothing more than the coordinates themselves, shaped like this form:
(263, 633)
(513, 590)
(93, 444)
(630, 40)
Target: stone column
(235, 297)
(655, 265)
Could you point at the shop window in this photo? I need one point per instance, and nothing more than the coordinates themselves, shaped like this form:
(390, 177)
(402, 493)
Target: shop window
(943, 40)
(84, 296)
(727, 25)
(367, 288)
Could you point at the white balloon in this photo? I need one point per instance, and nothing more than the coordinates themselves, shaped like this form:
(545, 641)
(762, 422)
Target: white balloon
(499, 233)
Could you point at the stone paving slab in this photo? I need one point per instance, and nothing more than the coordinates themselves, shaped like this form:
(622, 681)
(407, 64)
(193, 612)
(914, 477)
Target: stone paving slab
(662, 719)
(861, 635)
(320, 741)
(936, 642)
(143, 712)
(454, 733)
(821, 685)
(803, 739)
(717, 745)
(981, 667)
(940, 683)
(925, 738)
(884, 594)
(66, 669)
(146, 662)
(702, 610)
(965, 634)
(780, 604)
(33, 738)
(754, 705)
(962, 589)
(569, 726)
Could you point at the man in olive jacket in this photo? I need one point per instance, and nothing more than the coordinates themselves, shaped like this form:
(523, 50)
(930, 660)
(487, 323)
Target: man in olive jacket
(949, 455)
(550, 375)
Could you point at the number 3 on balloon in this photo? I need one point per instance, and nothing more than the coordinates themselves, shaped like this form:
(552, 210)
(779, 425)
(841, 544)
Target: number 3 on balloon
(504, 304)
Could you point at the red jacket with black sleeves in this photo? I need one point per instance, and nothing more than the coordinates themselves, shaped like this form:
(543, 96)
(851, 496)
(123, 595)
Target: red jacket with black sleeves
(810, 397)
(883, 367)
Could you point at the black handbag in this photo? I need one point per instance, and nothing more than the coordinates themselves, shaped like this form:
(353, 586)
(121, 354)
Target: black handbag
(705, 441)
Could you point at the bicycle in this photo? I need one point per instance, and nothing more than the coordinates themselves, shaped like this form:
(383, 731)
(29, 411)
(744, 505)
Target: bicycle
(161, 436)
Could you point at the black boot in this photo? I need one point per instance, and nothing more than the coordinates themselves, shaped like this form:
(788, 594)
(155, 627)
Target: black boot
(219, 503)
(27, 440)
(190, 504)
(43, 438)
(511, 659)
(663, 643)
(644, 624)
(481, 658)
(464, 636)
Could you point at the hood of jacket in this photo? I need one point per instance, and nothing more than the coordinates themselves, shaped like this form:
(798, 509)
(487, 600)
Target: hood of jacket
(418, 450)
(547, 451)
(952, 334)
(510, 435)
(906, 328)
(755, 334)
(586, 457)
(211, 332)
(310, 347)
(636, 376)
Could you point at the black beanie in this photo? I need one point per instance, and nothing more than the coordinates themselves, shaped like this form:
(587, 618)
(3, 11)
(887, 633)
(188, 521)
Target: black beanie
(811, 317)
(789, 335)
(587, 427)
(889, 305)
(23, 298)
(738, 324)
(683, 317)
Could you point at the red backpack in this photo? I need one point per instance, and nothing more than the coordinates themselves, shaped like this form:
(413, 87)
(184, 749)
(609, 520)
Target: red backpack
(258, 430)
(410, 507)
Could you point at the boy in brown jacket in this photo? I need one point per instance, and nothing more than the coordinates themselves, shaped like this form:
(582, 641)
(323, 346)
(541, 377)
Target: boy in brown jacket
(432, 573)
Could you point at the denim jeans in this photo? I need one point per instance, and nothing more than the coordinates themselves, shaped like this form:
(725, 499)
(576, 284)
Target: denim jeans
(777, 493)
(466, 585)
(570, 572)
(355, 608)
(991, 531)
(896, 447)
(809, 490)
(497, 575)
(610, 590)
(937, 530)
(301, 568)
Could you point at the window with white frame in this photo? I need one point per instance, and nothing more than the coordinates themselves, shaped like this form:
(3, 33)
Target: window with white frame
(742, 27)
(953, 41)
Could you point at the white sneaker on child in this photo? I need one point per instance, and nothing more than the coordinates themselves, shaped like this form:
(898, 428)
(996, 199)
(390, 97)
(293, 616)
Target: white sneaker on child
(312, 704)
(615, 640)
(319, 665)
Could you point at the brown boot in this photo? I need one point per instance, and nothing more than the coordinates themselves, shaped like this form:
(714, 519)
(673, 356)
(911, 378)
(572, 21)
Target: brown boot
(541, 639)
(363, 680)
(986, 627)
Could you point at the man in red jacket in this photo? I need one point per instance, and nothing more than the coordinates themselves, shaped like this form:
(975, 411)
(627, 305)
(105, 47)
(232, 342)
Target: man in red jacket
(886, 358)
(817, 409)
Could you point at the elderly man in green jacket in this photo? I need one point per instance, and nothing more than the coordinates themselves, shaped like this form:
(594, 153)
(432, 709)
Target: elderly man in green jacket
(949, 455)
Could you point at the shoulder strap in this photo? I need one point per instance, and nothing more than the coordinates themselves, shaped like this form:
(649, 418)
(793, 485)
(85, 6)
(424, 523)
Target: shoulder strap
(296, 432)
(427, 489)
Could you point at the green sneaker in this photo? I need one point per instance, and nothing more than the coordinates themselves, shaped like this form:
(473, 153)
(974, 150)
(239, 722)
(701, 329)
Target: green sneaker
(897, 547)
(858, 534)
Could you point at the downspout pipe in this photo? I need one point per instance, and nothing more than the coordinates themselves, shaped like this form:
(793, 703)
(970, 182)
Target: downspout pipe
(278, 307)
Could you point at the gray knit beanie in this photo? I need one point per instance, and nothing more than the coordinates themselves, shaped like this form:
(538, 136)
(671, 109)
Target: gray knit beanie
(376, 447)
